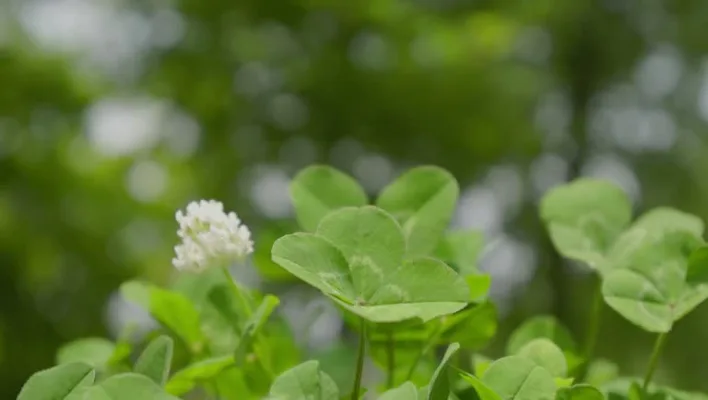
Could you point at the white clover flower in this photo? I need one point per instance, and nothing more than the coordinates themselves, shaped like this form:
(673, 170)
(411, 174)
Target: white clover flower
(210, 237)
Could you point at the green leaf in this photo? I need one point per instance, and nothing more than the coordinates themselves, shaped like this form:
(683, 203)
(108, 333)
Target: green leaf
(518, 378)
(186, 379)
(423, 200)
(666, 219)
(319, 189)
(545, 354)
(544, 327)
(601, 371)
(356, 258)
(473, 327)
(461, 249)
(484, 392)
(407, 391)
(584, 217)
(439, 388)
(304, 381)
(580, 392)
(96, 352)
(479, 286)
(254, 326)
(59, 382)
(127, 386)
(155, 361)
(647, 282)
(172, 309)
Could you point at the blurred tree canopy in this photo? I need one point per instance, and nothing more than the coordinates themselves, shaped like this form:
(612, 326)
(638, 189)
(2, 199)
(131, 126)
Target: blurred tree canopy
(115, 113)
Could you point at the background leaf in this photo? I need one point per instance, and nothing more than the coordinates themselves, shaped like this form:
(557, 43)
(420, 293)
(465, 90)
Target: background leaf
(155, 361)
(57, 382)
(187, 378)
(545, 354)
(407, 391)
(547, 327)
(439, 388)
(97, 352)
(423, 200)
(319, 189)
(515, 377)
(304, 381)
(461, 249)
(127, 386)
(584, 218)
(580, 392)
(172, 309)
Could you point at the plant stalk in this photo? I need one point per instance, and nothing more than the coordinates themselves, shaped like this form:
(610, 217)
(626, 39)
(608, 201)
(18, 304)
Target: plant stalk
(391, 350)
(654, 360)
(359, 361)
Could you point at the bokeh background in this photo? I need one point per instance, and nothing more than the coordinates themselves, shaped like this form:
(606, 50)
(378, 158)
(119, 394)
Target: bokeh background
(115, 113)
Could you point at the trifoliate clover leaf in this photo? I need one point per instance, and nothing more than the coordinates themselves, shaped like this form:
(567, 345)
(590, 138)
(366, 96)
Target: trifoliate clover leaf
(423, 201)
(356, 257)
(584, 217)
(646, 280)
(319, 189)
(304, 381)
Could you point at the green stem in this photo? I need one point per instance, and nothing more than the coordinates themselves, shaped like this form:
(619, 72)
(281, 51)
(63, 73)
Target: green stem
(593, 328)
(391, 350)
(432, 339)
(654, 360)
(359, 361)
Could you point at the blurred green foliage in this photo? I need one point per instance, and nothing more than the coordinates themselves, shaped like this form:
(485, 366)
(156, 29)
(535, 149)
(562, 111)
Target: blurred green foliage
(454, 83)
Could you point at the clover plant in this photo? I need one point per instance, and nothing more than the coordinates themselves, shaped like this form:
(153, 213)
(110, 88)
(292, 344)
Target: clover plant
(406, 285)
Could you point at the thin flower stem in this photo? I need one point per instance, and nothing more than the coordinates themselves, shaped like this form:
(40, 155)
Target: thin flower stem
(391, 349)
(359, 361)
(593, 329)
(654, 360)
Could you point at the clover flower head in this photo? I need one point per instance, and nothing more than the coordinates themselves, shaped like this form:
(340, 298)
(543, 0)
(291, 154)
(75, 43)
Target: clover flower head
(210, 237)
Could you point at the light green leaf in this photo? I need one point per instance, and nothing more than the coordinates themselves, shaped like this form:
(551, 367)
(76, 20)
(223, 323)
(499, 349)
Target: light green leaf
(545, 354)
(155, 361)
(439, 388)
(423, 201)
(127, 386)
(97, 352)
(473, 328)
(518, 378)
(58, 383)
(564, 382)
(580, 392)
(253, 327)
(461, 249)
(544, 326)
(665, 219)
(479, 286)
(304, 381)
(319, 189)
(647, 281)
(407, 391)
(186, 379)
(484, 392)
(356, 258)
(584, 217)
(172, 309)
(601, 371)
